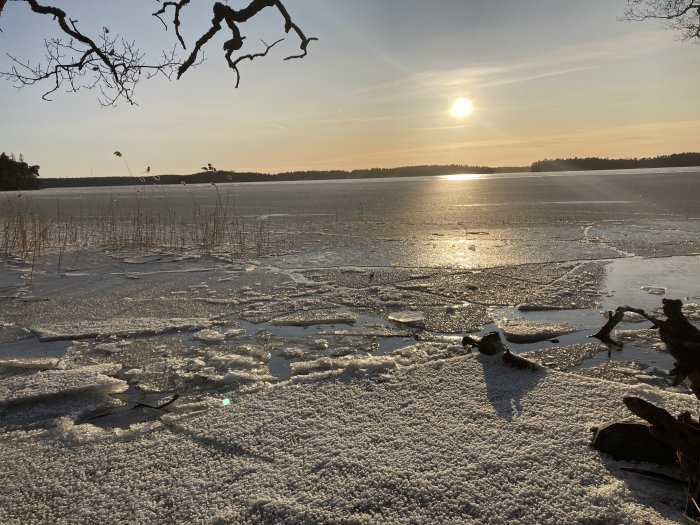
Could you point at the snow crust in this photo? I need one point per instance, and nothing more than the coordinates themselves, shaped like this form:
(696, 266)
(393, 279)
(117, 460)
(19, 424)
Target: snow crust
(463, 440)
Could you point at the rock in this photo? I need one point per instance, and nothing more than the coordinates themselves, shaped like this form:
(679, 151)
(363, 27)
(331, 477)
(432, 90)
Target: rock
(631, 441)
(489, 344)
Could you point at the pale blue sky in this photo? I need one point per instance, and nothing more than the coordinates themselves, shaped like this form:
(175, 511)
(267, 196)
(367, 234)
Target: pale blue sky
(548, 78)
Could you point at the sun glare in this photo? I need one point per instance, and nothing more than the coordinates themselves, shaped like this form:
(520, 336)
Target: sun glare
(461, 176)
(461, 108)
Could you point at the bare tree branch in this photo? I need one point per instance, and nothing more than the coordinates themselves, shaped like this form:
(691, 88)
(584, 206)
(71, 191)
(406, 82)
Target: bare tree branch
(682, 16)
(176, 17)
(114, 66)
(233, 17)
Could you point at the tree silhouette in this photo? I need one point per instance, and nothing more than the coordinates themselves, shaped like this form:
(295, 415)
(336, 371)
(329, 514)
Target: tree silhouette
(114, 66)
(15, 174)
(682, 16)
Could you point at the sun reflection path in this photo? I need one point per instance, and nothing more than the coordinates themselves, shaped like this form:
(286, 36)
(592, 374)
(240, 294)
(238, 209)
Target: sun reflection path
(461, 176)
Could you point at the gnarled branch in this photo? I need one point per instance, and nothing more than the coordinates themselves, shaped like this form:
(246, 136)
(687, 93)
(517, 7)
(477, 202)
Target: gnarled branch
(234, 17)
(680, 15)
(114, 66)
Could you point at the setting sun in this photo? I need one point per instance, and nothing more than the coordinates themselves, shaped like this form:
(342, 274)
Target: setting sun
(461, 108)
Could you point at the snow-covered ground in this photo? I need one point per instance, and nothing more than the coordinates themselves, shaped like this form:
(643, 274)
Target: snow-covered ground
(463, 440)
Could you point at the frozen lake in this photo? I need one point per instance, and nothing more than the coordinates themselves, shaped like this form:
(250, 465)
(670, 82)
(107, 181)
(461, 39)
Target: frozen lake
(364, 289)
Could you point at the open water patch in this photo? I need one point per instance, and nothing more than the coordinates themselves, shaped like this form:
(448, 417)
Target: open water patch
(635, 281)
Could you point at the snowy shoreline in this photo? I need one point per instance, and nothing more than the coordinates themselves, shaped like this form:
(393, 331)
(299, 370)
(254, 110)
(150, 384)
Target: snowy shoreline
(461, 440)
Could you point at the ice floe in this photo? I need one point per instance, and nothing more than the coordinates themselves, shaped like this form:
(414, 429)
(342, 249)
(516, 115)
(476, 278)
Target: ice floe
(310, 318)
(89, 380)
(210, 336)
(531, 332)
(125, 326)
(409, 318)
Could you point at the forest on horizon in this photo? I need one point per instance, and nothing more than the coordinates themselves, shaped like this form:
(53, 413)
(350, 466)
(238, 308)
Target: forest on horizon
(10, 181)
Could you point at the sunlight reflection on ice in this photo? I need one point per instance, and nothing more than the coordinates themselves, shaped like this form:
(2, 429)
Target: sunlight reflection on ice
(460, 176)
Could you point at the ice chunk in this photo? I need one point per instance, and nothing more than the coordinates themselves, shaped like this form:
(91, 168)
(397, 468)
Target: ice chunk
(45, 363)
(654, 290)
(126, 326)
(409, 318)
(353, 365)
(530, 332)
(210, 336)
(342, 351)
(109, 348)
(633, 317)
(255, 351)
(295, 353)
(86, 381)
(315, 317)
(318, 344)
(253, 376)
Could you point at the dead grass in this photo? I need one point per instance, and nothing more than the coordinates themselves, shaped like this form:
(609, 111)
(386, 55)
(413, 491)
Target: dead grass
(28, 234)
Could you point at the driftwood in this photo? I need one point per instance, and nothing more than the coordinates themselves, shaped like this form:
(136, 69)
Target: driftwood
(682, 339)
(614, 318)
(683, 434)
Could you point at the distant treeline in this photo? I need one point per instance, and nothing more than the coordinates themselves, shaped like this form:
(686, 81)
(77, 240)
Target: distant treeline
(232, 176)
(572, 164)
(677, 160)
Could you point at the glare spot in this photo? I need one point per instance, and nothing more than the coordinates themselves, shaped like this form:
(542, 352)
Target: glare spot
(461, 108)
(461, 176)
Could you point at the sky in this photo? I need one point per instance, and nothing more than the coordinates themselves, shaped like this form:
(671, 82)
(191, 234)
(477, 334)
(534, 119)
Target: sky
(547, 79)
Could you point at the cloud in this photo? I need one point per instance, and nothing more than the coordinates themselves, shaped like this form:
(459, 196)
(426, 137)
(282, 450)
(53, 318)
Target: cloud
(562, 61)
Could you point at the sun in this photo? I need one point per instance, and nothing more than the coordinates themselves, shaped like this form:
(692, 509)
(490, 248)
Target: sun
(461, 108)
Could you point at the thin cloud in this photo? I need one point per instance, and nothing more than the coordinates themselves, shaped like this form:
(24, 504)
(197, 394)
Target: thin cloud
(563, 61)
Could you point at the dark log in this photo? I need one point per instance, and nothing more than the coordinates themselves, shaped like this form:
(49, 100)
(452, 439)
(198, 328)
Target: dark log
(624, 440)
(682, 434)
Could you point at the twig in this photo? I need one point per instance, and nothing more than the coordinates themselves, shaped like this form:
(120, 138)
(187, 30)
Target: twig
(652, 474)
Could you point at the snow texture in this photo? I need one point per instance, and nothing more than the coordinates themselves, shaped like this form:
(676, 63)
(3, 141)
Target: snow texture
(464, 440)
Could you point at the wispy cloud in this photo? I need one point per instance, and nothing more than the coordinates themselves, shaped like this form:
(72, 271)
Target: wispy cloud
(562, 61)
